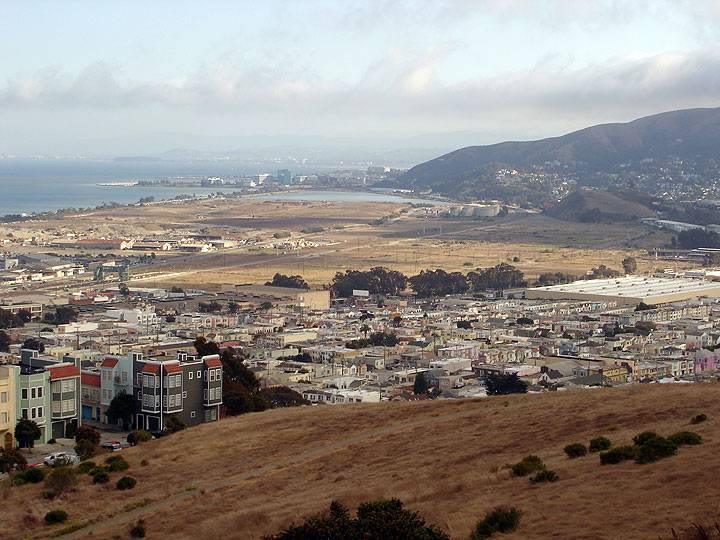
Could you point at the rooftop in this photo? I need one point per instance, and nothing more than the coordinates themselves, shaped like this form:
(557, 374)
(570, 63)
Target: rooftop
(641, 288)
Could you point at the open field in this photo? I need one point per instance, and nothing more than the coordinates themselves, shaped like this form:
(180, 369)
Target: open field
(249, 476)
(354, 238)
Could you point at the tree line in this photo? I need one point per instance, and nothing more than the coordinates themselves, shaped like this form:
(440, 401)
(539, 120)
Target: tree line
(427, 283)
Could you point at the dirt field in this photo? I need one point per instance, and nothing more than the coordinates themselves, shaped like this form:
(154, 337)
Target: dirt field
(249, 476)
(353, 237)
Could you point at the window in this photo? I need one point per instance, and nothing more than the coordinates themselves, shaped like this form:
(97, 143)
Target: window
(3, 397)
(33, 393)
(124, 376)
(4, 418)
(24, 413)
(178, 380)
(68, 405)
(190, 375)
(56, 407)
(184, 394)
(24, 394)
(55, 387)
(39, 391)
(40, 412)
(199, 375)
(192, 414)
(68, 385)
(32, 412)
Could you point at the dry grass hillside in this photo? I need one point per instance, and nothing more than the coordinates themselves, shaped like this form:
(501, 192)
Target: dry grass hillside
(249, 476)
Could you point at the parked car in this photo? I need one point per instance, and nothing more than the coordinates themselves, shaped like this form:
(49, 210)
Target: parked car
(57, 458)
(112, 446)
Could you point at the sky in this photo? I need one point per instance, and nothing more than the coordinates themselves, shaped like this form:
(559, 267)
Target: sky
(136, 76)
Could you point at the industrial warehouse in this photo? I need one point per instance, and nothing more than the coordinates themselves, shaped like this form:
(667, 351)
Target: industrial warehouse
(630, 290)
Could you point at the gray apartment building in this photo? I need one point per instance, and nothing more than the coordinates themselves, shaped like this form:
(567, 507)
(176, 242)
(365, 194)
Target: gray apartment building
(187, 387)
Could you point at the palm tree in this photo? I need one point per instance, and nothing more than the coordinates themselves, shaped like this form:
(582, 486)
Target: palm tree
(365, 329)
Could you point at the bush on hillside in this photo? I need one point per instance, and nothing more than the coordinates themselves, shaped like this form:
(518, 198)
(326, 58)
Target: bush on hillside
(644, 437)
(654, 449)
(116, 464)
(375, 520)
(85, 449)
(100, 476)
(86, 467)
(503, 519)
(138, 437)
(138, 530)
(575, 450)
(61, 479)
(599, 444)
(618, 455)
(528, 464)
(126, 482)
(56, 516)
(35, 475)
(545, 476)
(682, 438)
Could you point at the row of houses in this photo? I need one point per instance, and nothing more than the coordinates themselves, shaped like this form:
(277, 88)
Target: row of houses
(59, 395)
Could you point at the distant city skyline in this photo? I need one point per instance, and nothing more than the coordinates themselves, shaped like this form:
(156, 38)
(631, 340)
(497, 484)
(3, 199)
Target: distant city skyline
(134, 77)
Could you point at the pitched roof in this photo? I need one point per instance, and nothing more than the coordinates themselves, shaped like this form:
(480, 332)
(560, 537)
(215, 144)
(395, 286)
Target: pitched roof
(172, 368)
(109, 362)
(151, 368)
(212, 361)
(90, 379)
(63, 371)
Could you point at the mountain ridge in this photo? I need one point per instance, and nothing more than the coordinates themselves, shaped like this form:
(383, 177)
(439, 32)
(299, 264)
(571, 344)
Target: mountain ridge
(689, 134)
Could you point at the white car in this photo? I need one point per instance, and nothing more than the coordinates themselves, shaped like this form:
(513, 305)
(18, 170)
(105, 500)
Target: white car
(61, 457)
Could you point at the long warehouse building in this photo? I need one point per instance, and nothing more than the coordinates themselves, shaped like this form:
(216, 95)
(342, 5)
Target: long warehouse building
(631, 290)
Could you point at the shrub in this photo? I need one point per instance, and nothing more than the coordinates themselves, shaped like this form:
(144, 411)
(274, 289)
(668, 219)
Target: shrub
(126, 482)
(100, 476)
(34, 475)
(682, 438)
(174, 424)
(19, 479)
(528, 464)
(70, 431)
(644, 437)
(618, 454)
(138, 437)
(85, 449)
(377, 519)
(575, 450)
(138, 530)
(87, 433)
(599, 444)
(56, 516)
(61, 479)
(698, 418)
(654, 449)
(86, 467)
(545, 476)
(502, 519)
(116, 464)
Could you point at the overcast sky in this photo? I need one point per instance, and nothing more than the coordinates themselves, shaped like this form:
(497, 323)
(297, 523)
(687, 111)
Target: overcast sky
(114, 75)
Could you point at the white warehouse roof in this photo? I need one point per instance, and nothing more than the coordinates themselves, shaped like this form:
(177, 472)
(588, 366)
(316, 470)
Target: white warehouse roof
(629, 290)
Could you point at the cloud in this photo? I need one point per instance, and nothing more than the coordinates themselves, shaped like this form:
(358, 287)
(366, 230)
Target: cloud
(402, 91)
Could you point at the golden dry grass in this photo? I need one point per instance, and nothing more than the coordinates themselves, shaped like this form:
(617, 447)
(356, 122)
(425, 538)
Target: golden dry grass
(249, 476)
